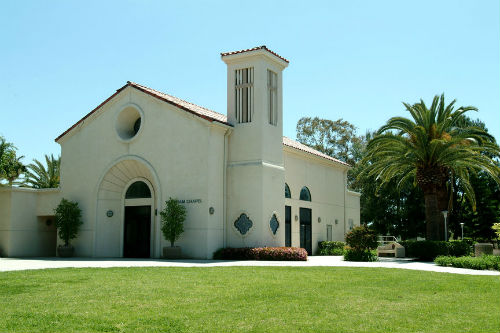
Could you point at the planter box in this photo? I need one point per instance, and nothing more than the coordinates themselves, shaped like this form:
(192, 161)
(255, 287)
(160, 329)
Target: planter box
(170, 252)
(483, 248)
(65, 251)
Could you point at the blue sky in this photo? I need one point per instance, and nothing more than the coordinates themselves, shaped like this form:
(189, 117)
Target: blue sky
(356, 60)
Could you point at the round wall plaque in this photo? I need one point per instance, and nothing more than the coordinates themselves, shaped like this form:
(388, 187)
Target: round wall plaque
(109, 213)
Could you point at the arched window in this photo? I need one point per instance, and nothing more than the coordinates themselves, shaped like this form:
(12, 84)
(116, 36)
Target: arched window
(288, 194)
(138, 190)
(305, 194)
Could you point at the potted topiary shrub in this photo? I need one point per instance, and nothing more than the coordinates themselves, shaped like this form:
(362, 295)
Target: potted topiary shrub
(68, 219)
(172, 226)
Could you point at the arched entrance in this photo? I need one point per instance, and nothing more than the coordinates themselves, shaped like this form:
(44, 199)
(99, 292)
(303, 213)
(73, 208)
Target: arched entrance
(120, 193)
(137, 221)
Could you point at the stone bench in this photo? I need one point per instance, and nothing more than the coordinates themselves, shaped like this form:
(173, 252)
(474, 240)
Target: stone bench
(396, 249)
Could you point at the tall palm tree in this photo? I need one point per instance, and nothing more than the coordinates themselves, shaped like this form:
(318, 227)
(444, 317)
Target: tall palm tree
(432, 149)
(39, 176)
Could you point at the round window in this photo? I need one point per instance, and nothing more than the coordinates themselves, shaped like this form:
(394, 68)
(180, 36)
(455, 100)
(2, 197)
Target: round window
(128, 123)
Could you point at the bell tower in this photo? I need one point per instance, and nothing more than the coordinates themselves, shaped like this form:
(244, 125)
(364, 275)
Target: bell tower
(255, 172)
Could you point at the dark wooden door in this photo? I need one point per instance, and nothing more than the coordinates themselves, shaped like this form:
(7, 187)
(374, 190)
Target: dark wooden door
(137, 233)
(306, 230)
(288, 226)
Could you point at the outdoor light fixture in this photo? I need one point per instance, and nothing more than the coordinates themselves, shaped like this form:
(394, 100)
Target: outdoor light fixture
(445, 214)
(211, 210)
(296, 217)
(109, 213)
(319, 219)
(462, 225)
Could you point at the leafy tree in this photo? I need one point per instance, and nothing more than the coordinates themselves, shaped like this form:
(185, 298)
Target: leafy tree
(68, 219)
(496, 228)
(39, 176)
(431, 149)
(392, 211)
(337, 139)
(334, 138)
(477, 223)
(173, 217)
(11, 166)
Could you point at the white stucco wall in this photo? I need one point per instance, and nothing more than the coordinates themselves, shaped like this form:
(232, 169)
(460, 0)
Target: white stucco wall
(24, 231)
(255, 174)
(180, 154)
(325, 181)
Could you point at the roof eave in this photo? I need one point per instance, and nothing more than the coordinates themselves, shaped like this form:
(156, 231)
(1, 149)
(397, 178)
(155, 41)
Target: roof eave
(304, 153)
(231, 57)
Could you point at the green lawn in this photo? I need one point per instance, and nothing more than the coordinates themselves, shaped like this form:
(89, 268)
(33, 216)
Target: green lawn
(247, 299)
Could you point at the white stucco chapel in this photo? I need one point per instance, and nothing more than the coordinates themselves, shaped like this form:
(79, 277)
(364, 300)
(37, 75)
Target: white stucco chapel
(243, 184)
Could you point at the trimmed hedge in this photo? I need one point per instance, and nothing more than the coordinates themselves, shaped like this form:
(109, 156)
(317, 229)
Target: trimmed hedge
(481, 263)
(262, 253)
(331, 248)
(429, 250)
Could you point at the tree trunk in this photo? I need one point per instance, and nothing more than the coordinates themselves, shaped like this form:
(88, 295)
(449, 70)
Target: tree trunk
(433, 217)
(432, 181)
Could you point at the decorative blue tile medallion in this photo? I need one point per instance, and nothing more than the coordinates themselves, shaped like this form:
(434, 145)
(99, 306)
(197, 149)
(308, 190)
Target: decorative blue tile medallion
(274, 224)
(243, 224)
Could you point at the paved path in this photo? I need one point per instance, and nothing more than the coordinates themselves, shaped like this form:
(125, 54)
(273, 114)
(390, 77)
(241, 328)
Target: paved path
(15, 264)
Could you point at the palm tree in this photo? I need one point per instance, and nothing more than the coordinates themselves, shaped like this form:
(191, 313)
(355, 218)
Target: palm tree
(432, 149)
(39, 176)
(11, 166)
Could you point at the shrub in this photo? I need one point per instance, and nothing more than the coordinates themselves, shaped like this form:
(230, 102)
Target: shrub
(360, 243)
(443, 260)
(459, 248)
(480, 263)
(172, 218)
(355, 255)
(262, 253)
(361, 239)
(429, 250)
(425, 250)
(331, 248)
(68, 219)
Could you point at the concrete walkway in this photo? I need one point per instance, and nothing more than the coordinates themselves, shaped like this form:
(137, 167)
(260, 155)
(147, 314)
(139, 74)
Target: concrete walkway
(15, 264)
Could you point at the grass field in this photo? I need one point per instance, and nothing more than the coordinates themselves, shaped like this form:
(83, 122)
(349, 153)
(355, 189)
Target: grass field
(247, 299)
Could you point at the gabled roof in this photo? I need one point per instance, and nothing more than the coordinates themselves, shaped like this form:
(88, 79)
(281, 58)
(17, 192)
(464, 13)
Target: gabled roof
(297, 145)
(263, 47)
(200, 112)
(184, 105)
(181, 104)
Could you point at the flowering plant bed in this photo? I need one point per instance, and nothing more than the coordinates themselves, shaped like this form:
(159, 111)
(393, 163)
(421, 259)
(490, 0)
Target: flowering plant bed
(262, 253)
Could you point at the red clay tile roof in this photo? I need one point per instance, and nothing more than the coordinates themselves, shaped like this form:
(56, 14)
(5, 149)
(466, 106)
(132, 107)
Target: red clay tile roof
(186, 106)
(263, 47)
(182, 104)
(297, 145)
